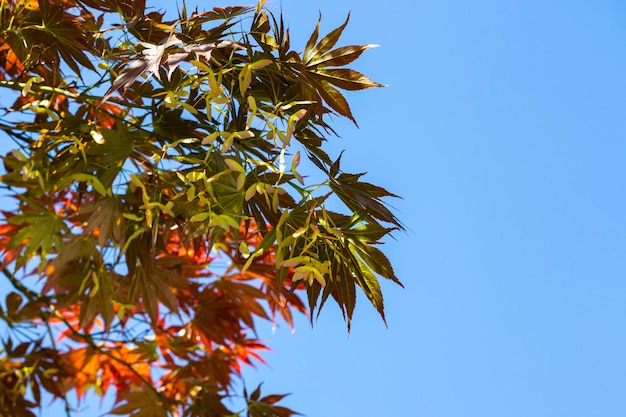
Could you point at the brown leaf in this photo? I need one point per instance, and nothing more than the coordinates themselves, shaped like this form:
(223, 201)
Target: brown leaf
(340, 56)
(335, 100)
(149, 61)
(347, 79)
(312, 39)
(326, 43)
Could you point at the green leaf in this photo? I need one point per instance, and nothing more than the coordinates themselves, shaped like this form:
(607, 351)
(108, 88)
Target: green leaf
(95, 182)
(224, 221)
(371, 288)
(343, 288)
(234, 165)
(228, 196)
(368, 232)
(363, 198)
(200, 217)
(376, 260)
(40, 231)
(261, 64)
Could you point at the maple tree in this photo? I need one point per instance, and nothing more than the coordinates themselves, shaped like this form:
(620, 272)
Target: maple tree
(153, 207)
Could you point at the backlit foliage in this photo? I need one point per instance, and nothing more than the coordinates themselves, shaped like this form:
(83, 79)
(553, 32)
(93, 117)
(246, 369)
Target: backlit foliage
(153, 207)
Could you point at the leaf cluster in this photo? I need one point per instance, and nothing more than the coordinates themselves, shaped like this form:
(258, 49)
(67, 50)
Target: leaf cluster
(157, 209)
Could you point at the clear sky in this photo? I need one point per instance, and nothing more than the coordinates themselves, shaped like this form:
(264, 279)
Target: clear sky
(503, 127)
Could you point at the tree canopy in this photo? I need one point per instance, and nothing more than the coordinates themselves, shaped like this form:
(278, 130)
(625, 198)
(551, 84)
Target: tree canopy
(155, 206)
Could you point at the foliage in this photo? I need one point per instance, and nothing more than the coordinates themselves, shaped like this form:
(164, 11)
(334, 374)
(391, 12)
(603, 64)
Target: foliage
(154, 210)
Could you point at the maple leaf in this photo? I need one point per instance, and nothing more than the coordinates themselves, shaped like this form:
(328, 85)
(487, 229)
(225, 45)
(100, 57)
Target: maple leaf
(140, 404)
(149, 61)
(152, 57)
(163, 224)
(266, 406)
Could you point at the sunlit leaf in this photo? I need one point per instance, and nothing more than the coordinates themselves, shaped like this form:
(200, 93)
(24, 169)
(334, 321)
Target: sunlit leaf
(156, 208)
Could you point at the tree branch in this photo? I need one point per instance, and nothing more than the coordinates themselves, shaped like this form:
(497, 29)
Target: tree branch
(32, 295)
(19, 86)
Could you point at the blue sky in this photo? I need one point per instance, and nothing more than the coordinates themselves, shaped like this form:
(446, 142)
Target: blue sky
(503, 128)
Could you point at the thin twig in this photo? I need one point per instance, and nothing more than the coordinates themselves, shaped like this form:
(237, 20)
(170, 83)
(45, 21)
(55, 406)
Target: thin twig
(19, 86)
